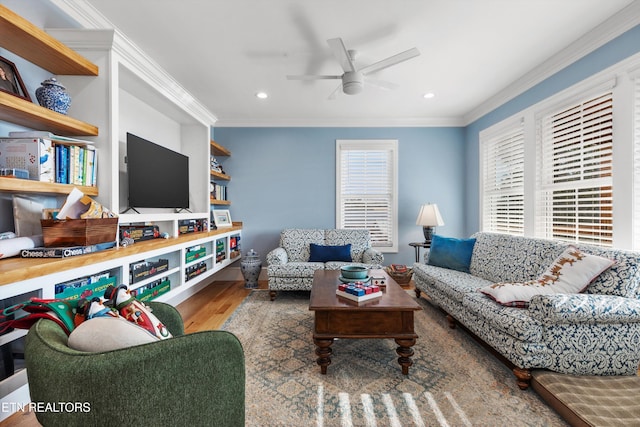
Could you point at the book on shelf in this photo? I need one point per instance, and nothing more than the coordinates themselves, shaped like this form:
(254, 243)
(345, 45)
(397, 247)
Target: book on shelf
(65, 251)
(50, 160)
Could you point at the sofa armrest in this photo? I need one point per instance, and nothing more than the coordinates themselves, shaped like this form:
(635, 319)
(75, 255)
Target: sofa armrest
(584, 308)
(199, 377)
(277, 256)
(372, 256)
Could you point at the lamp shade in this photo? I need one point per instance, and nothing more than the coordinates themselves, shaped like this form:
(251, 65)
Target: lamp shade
(429, 216)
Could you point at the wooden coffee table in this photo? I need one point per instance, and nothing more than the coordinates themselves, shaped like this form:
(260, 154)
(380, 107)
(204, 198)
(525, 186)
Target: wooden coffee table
(390, 316)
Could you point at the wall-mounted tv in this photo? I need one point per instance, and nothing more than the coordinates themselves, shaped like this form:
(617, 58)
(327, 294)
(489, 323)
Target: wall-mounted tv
(158, 176)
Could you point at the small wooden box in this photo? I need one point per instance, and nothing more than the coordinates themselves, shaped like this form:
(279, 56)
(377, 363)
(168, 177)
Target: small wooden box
(78, 232)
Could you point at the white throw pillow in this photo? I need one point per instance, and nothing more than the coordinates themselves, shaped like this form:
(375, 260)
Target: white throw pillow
(108, 333)
(570, 273)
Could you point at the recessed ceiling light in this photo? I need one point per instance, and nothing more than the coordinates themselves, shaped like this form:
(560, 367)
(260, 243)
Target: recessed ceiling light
(429, 95)
(262, 95)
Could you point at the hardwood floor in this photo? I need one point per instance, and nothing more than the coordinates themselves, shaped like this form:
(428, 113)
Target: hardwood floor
(206, 310)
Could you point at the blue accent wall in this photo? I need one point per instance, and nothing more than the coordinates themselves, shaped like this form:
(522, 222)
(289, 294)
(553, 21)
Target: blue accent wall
(286, 177)
(620, 48)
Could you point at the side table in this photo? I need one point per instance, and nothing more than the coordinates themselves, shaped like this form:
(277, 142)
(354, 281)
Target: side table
(417, 246)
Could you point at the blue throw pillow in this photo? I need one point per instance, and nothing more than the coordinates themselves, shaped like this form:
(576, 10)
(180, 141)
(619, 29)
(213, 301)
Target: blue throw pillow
(320, 253)
(451, 253)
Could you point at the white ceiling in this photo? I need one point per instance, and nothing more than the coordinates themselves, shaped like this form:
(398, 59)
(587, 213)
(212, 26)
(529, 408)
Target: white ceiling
(472, 52)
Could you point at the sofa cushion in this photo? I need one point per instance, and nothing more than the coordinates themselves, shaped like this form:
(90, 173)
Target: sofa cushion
(296, 242)
(359, 239)
(455, 284)
(507, 258)
(570, 273)
(324, 253)
(622, 279)
(108, 333)
(512, 321)
(295, 269)
(448, 252)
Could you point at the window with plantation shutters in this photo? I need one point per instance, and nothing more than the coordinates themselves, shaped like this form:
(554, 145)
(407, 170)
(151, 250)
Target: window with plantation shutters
(574, 189)
(366, 189)
(636, 162)
(502, 171)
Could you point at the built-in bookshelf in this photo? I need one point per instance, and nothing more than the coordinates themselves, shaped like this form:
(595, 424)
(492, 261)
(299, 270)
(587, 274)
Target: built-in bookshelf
(115, 89)
(219, 179)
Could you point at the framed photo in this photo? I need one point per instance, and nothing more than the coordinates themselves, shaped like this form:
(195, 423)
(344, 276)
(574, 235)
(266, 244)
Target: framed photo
(10, 80)
(222, 218)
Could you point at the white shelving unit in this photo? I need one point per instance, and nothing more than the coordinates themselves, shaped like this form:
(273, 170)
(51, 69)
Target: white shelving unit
(118, 89)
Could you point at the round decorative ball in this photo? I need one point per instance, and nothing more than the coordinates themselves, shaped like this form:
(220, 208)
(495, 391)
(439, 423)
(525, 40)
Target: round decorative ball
(54, 96)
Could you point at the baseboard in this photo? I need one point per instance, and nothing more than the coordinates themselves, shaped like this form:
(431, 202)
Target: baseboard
(235, 273)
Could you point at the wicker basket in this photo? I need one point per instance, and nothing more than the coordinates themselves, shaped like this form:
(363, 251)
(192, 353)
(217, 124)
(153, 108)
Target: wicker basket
(400, 278)
(78, 232)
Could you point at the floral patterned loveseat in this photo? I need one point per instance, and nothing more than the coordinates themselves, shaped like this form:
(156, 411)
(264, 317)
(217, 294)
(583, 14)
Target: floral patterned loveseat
(289, 268)
(596, 332)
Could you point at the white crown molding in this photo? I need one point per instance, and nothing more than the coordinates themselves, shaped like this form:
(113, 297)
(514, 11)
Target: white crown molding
(619, 23)
(99, 32)
(340, 122)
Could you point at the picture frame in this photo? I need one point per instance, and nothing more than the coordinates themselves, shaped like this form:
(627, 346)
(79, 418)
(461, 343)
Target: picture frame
(222, 218)
(10, 80)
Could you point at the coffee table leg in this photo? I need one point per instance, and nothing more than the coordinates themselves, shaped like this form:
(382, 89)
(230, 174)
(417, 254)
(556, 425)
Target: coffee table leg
(323, 351)
(405, 352)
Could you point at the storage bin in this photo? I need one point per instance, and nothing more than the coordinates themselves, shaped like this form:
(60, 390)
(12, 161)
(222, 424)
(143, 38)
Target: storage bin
(78, 232)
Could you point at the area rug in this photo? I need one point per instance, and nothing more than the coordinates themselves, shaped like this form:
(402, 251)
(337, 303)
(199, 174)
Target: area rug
(453, 381)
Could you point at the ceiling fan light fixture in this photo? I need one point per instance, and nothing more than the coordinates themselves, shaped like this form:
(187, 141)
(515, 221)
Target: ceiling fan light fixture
(352, 82)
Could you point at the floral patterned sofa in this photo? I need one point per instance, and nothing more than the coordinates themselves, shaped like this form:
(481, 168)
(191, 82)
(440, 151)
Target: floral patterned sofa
(596, 332)
(289, 267)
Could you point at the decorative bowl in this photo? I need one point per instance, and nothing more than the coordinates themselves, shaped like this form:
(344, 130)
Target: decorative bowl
(354, 272)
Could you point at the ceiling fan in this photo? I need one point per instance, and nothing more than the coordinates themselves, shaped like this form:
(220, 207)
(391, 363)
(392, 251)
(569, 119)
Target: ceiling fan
(353, 79)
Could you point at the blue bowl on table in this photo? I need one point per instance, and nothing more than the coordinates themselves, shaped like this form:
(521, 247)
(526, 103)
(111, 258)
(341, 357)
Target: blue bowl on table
(354, 272)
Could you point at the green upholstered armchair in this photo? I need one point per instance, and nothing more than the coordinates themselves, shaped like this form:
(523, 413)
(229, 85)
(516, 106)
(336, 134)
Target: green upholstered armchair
(195, 379)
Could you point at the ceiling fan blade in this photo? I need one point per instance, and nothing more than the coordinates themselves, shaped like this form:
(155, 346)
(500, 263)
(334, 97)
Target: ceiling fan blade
(392, 60)
(382, 84)
(313, 77)
(341, 54)
(335, 92)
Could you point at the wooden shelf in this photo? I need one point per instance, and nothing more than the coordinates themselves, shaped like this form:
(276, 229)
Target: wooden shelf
(33, 44)
(29, 186)
(16, 269)
(19, 111)
(219, 150)
(219, 202)
(220, 175)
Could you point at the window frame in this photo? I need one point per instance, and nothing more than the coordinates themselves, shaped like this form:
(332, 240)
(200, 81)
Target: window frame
(619, 79)
(390, 145)
(492, 144)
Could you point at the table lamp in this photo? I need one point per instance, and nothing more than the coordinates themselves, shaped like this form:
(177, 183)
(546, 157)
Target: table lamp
(429, 217)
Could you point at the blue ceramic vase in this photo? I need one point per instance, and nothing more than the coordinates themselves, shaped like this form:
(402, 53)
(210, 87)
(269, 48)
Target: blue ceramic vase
(54, 96)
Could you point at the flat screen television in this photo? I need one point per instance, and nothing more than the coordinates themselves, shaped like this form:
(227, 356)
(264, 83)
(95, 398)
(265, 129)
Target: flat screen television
(158, 176)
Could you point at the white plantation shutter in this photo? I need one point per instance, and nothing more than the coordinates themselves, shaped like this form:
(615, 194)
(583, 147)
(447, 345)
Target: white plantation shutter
(574, 188)
(502, 164)
(366, 188)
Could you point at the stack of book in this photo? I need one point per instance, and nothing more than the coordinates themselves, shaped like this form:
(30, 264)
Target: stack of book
(50, 158)
(358, 291)
(219, 192)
